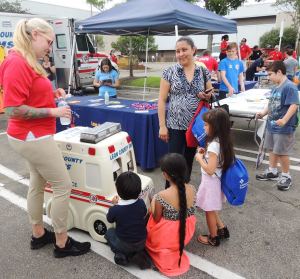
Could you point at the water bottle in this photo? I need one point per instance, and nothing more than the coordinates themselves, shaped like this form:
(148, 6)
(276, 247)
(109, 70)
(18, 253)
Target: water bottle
(63, 120)
(106, 98)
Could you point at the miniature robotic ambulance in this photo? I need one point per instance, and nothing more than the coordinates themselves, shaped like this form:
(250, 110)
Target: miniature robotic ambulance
(94, 158)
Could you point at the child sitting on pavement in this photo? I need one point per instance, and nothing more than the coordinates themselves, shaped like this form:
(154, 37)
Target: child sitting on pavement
(281, 124)
(127, 239)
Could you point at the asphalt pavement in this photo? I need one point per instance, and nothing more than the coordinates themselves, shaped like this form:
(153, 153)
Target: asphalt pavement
(264, 242)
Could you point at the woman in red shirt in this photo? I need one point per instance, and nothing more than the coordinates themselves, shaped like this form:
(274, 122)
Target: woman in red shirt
(30, 106)
(223, 47)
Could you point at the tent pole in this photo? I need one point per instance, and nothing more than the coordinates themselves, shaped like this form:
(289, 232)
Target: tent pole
(146, 65)
(176, 32)
(238, 45)
(72, 64)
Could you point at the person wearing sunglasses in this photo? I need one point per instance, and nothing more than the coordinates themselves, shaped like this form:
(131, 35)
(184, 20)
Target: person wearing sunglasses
(29, 103)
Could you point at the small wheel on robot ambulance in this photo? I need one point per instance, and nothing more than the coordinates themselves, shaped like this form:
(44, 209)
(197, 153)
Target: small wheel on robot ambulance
(97, 226)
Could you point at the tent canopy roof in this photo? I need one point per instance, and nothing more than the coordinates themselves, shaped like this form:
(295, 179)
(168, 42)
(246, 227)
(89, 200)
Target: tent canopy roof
(156, 17)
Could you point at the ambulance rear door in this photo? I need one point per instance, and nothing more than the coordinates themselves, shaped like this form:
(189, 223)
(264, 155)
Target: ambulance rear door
(62, 49)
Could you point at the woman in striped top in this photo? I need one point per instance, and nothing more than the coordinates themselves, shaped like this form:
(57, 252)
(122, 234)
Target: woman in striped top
(184, 83)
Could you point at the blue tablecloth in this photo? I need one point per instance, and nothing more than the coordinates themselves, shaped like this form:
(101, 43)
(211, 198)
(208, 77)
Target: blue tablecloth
(142, 127)
(248, 84)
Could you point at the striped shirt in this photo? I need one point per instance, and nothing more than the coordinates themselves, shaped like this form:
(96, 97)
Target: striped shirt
(183, 99)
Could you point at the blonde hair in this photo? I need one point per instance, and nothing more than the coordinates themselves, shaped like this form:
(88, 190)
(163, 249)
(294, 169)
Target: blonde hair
(22, 40)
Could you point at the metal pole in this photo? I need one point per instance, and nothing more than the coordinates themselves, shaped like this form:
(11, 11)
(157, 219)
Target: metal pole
(281, 33)
(72, 64)
(146, 64)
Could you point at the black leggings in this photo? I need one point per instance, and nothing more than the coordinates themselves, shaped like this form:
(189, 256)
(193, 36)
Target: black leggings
(177, 144)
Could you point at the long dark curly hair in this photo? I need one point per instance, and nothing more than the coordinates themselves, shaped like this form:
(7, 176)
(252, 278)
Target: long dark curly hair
(175, 166)
(220, 128)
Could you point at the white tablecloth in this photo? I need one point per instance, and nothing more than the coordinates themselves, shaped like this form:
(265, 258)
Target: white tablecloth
(247, 103)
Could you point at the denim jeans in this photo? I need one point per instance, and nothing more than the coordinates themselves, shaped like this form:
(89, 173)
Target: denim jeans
(119, 246)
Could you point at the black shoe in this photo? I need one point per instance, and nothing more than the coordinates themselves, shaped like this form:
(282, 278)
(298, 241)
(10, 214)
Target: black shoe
(120, 259)
(223, 233)
(72, 248)
(267, 175)
(142, 260)
(39, 242)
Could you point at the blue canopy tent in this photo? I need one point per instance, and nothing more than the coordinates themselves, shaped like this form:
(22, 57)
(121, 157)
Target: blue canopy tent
(156, 17)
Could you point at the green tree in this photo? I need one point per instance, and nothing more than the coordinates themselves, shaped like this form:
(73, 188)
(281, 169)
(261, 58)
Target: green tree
(271, 38)
(133, 45)
(294, 6)
(99, 41)
(11, 7)
(99, 4)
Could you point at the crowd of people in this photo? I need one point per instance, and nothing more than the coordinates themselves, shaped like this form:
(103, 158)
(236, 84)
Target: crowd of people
(253, 61)
(158, 235)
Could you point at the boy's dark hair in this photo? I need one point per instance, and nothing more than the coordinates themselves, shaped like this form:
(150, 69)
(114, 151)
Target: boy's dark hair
(276, 66)
(255, 47)
(289, 52)
(225, 37)
(189, 41)
(129, 185)
(175, 166)
(219, 127)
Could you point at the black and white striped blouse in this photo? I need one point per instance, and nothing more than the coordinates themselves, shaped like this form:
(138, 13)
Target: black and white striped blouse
(183, 100)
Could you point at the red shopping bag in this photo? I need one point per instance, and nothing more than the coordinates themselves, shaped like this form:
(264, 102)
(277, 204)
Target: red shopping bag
(191, 141)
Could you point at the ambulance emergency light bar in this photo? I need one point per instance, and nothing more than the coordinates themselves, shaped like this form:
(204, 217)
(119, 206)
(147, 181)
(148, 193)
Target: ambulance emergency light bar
(98, 133)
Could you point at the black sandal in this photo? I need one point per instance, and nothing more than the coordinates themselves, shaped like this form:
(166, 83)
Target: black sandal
(213, 241)
(223, 233)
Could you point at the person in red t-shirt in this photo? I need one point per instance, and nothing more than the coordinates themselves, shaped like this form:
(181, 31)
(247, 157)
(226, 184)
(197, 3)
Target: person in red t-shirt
(210, 62)
(275, 54)
(30, 106)
(223, 47)
(245, 52)
(113, 57)
(287, 48)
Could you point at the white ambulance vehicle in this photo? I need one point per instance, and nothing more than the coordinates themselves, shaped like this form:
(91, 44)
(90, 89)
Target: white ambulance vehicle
(94, 168)
(82, 64)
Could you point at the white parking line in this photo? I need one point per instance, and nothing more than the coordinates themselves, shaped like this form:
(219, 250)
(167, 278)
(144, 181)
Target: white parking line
(267, 154)
(13, 175)
(103, 250)
(2, 133)
(246, 158)
(211, 268)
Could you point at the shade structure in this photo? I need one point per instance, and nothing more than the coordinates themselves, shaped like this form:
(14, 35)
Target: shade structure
(156, 17)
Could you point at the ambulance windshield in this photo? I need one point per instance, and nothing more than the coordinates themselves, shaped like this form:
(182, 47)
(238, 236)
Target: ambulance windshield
(84, 43)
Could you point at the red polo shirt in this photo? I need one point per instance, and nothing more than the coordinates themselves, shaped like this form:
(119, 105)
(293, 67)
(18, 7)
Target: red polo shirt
(245, 51)
(23, 86)
(275, 55)
(223, 45)
(210, 62)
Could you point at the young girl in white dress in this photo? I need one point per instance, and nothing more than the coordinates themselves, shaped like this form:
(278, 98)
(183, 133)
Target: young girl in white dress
(215, 158)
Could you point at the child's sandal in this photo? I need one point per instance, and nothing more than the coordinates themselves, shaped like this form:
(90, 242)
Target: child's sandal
(223, 233)
(213, 241)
